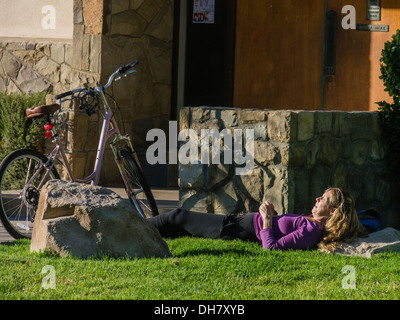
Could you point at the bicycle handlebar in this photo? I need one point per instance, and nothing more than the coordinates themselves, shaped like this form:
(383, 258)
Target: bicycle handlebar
(125, 68)
(121, 72)
(69, 93)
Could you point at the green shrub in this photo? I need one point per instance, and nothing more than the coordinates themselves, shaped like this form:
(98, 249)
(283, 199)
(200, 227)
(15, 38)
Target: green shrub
(390, 112)
(16, 130)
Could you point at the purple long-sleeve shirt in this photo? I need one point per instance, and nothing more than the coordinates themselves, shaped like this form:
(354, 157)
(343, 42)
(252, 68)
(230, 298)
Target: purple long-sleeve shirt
(289, 231)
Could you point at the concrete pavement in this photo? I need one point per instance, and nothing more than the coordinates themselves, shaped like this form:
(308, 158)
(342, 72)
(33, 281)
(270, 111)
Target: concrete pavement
(167, 199)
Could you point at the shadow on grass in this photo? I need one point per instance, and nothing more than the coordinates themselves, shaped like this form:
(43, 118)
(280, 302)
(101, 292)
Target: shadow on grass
(213, 252)
(13, 243)
(8, 243)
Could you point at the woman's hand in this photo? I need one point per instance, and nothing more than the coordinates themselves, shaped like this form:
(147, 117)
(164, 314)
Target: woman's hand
(267, 212)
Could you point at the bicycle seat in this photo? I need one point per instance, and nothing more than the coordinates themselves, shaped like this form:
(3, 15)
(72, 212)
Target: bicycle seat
(41, 111)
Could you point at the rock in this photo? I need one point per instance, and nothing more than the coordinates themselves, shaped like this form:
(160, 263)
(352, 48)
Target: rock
(2, 84)
(329, 151)
(48, 69)
(265, 153)
(323, 121)
(195, 201)
(128, 23)
(359, 153)
(279, 192)
(305, 126)
(200, 114)
(85, 221)
(10, 65)
(387, 239)
(225, 200)
(30, 82)
(191, 175)
(252, 115)
(282, 126)
(217, 174)
(252, 185)
(339, 176)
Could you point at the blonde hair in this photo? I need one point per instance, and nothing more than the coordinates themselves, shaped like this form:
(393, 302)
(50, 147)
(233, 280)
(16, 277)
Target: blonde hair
(343, 225)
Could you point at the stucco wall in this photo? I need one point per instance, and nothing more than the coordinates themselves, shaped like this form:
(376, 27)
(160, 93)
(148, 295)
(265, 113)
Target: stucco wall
(36, 19)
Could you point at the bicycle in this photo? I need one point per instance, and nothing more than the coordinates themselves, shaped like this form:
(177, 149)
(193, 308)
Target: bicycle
(25, 171)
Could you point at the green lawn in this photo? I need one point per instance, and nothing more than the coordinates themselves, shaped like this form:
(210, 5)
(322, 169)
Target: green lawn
(200, 269)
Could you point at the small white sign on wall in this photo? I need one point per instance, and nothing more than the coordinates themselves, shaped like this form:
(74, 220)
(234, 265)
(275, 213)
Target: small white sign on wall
(203, 11)
(36, 19)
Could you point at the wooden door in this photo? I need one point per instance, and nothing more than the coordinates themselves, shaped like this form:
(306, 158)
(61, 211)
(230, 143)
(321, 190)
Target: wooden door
(356, 85)
(279, 54)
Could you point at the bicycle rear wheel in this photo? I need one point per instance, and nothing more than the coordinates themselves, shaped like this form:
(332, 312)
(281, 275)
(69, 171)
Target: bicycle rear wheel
(138, 190)
(20, 174)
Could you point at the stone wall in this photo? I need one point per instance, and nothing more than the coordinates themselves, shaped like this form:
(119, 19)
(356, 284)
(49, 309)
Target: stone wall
(297, 155)
(32, 67)
(28, 65)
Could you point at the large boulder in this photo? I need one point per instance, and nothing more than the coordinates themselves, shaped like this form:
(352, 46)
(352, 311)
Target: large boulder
(387, 239)
(87, 221)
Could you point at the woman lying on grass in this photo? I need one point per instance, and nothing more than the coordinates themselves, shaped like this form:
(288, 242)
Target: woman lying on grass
(333, 220)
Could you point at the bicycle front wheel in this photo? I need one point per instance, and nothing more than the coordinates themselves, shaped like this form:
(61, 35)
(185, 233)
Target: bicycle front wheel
(22, 174)
(136, 186)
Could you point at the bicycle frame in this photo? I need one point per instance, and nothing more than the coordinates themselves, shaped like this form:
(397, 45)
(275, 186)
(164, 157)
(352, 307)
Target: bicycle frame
(109, 128)
(24, 172)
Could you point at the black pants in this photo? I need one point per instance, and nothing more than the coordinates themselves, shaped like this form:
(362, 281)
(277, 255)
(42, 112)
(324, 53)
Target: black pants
(181, 222)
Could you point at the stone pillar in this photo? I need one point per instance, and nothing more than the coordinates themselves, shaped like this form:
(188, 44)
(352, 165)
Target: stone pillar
(139, 30)
(84, 72)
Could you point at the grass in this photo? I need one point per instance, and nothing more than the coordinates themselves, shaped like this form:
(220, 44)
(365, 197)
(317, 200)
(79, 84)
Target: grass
(200, 269)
